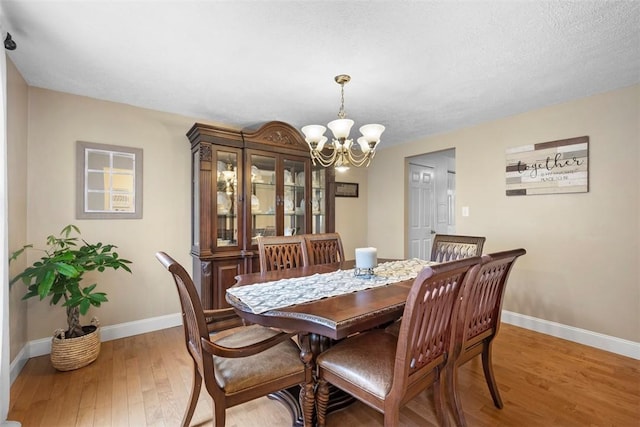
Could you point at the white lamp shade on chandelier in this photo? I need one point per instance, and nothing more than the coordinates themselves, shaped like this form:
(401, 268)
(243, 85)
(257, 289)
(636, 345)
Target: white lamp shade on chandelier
(314, 134)
(341, 152)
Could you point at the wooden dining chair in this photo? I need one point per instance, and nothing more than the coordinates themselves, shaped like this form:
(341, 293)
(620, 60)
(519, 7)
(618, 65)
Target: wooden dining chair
(386, 371)
(240, 364)
(476, 319)
(448, 247)
(324, 248)
(281, 252)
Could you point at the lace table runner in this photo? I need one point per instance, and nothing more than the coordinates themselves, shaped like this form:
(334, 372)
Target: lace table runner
(261, 297)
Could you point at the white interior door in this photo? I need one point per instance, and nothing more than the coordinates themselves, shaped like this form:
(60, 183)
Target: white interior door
(421, 211)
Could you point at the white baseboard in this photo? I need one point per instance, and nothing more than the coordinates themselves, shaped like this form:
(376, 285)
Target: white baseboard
(107, 333)
(593, 339)
(18, 363)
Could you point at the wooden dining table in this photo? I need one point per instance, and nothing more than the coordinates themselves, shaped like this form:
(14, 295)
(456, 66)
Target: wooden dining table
(321, 322)
(334, 317)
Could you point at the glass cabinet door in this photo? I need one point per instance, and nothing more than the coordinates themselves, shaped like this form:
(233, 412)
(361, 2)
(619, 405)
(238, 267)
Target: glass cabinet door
(280, 195)
(262, 196)
(227, 198)
(318, 195)
(295, 184)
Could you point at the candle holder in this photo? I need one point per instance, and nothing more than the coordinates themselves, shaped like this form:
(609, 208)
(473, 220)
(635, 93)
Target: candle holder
(366, 260)
(365, 273)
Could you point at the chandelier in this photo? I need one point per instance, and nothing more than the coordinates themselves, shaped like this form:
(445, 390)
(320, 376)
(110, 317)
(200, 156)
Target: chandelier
(341, 151)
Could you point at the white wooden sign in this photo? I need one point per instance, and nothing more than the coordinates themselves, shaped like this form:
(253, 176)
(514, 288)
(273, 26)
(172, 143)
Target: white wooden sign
(549, 167)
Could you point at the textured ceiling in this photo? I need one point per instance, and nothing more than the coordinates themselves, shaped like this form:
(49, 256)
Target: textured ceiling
(419, 67)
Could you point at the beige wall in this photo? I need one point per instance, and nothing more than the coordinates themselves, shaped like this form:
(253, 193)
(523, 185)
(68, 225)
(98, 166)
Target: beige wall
(56, 122)
(582, 262)
(351, 212)
(17, 105)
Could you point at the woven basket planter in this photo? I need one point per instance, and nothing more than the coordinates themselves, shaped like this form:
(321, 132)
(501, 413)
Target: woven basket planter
(68, 354)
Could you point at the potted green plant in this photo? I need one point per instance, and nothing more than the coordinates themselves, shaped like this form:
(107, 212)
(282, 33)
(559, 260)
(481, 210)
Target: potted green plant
(58, 274)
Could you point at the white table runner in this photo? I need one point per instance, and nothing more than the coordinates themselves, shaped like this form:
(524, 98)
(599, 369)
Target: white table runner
(261, 297)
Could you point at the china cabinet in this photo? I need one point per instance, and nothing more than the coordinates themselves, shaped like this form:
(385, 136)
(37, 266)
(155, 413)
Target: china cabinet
(249, 183)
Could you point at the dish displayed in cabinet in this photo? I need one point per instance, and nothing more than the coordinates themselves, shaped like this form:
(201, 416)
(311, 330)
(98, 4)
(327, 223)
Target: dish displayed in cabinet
(288, 206)
(288, 178)
(264, 177)
(224, 202)
(256, 174)
(255, 204)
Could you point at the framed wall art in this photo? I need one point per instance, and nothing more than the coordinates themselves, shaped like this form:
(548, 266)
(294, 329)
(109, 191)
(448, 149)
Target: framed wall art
(548, 168)
(108, 181)
(346, 189)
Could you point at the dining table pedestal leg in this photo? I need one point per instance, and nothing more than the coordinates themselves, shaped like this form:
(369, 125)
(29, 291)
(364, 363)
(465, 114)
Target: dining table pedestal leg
(289, 398)
(307, 393)
(312, 345)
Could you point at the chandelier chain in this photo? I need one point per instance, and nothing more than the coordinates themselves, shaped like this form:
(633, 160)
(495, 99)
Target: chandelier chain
(341, 113)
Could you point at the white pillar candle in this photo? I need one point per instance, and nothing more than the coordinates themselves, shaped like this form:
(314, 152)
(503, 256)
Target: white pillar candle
(366, 257)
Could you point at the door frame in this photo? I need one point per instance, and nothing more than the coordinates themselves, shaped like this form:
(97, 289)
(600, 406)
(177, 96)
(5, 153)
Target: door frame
(443, 162)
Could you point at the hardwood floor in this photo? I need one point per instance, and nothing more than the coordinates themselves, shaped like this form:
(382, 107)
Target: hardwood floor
(145, 381)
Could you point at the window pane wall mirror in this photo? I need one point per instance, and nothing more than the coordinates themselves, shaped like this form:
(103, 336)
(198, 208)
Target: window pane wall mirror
(108, 181)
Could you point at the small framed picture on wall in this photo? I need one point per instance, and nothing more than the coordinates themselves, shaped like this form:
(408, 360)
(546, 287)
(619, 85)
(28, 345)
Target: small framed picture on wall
(346, 189)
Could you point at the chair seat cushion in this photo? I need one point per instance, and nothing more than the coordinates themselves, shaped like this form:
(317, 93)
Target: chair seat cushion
(237, 374)
(354, 362)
